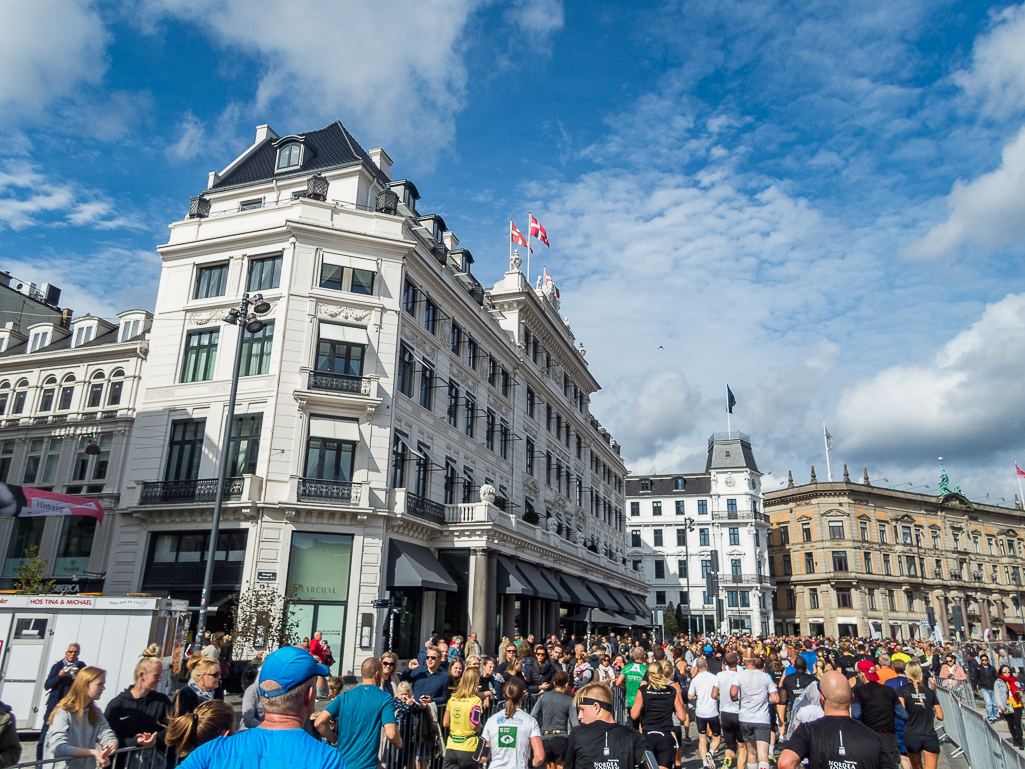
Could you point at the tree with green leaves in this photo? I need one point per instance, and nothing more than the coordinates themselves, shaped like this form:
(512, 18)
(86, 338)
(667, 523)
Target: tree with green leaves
(30, 573)
(670, 627)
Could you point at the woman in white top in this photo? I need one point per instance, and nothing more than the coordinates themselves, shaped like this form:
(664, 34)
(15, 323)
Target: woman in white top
(78, 730)
(509, 733)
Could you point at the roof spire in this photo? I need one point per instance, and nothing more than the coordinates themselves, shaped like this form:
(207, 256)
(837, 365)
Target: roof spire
(846, 475)
(813, 478)
(865, 480)
(790, 479)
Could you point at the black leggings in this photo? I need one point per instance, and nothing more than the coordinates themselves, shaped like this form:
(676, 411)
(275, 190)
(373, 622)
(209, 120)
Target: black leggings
(1014, 724)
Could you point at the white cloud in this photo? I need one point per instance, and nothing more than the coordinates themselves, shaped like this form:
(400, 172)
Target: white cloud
(30, 198)
(967, 399)
(538, 19)
(49, 49)
(397, 83)
(989, 211)
(996, 76)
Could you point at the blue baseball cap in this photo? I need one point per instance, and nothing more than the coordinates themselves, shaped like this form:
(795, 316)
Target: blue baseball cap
(708, 650)
(289, 666)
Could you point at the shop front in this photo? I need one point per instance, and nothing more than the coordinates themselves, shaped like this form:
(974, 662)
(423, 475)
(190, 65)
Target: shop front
(318, 579)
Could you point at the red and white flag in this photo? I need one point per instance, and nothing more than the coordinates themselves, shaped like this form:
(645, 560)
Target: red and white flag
(549, 281)
(537, 231)
(517, 237)
(1021, 472)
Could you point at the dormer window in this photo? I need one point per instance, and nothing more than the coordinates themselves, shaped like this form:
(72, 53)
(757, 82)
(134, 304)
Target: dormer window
(83, 334)
(290, 156)
(38, 340)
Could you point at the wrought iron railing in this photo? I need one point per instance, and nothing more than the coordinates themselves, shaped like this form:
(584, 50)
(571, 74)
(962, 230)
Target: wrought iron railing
(739, 515)
(339, 383)
(425, 508)
(318, 490)
(747, 579)
(189, 491)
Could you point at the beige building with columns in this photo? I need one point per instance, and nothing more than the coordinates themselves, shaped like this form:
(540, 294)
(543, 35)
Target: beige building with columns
(854, 559)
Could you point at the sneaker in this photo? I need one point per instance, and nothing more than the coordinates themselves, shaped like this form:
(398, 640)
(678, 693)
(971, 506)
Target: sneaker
(727, 763)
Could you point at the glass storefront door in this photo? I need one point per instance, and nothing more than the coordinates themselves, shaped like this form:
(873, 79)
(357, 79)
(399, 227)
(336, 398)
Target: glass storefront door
(329, 619)
(318, 575)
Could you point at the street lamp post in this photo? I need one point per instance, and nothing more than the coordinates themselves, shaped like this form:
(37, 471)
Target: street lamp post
(246, 321)
(688, 527)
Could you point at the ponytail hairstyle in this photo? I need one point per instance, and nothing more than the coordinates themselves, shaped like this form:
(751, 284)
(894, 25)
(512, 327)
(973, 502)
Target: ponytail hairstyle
(149, 657)
(211, 719)
(656, 676)
(466, 686)
(913, 671)
(513, 691)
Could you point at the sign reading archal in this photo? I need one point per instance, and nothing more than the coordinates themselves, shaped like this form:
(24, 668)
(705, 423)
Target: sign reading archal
(24, 502)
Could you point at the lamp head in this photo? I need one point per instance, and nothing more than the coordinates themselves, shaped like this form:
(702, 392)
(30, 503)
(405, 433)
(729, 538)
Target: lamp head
(232, 316)
(92, 448)
(253, 324)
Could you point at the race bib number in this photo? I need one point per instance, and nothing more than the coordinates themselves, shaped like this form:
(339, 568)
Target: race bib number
(507, 736)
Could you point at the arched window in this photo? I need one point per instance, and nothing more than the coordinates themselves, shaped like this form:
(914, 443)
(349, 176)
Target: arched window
(116, 383)
(289, 156)
(5, 394)
(95, 399)
(67, 392)
(49, 389)
(20, 394)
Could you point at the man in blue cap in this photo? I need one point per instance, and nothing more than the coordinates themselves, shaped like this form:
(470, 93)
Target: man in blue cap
(287, 689)
(360, 713)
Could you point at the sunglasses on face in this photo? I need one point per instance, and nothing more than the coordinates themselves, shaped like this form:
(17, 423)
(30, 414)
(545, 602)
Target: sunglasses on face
(434, 658)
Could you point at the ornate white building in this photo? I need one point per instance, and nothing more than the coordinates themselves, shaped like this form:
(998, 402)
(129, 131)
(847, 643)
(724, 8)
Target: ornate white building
(387, 395)
(682, 526)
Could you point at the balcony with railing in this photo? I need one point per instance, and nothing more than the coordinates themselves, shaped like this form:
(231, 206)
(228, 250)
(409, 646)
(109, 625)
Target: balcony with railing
(331, 492)
(739, 515)
(421, 507)
(192, 491)
(746, 579)
(339, 383)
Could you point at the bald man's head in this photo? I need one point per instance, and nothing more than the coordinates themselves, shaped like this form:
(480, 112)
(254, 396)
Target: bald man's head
(836, 693)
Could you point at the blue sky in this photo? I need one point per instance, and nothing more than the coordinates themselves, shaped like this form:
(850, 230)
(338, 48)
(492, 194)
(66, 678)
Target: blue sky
(823, 205)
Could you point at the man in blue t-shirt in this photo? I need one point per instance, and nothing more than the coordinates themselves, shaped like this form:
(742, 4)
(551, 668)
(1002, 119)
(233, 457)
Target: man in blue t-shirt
(809, 656)
(360, 714)
(287, 689)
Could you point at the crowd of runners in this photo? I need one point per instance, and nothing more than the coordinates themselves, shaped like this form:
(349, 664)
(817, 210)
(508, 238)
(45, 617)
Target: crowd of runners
(610, 703)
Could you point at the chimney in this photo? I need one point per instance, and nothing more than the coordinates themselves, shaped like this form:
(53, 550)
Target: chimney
(381, 160)
(264, 132)
(451, 241)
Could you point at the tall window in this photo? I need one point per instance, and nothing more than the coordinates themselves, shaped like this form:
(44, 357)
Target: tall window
(453, 404)
(95, 397)
(489, 430)
(5, 393)
(185, 449)
(244, 445)
(681, 570)
(656, 508)
(363, 282)
(503, 439)
(882, 533)
(843, 598)
(27, 532)
(736, 567)
(427, 385)
(806, 532)
(211, 281)
(836, 530)
(264, 274)
(635, 509)
(731, 506)
(20, 394)
(455, 340)
(335, 357)
(734, 535)
(788, 567)
(548, 468)
(530, 456)
(660, 569)
(703, 539)
(6, 457)
(706, 567)
(505, 383)
(809, 563)
(813, 598)
(702, 507)
(471, 353)
(531, 402)
(681, 537)
(200, 354)
(635, 538)
(35, 457)
(679, 507)
(90, 467)
(328, 459)
(451, 479)
(409, 299)
(864, 531)
(657, 534)
(49, 391)
(840, 560)
(430, 316)
(398, 463)
(407, 369)
(868, 563)
(470, 418)
(116, 386)
(256, 350)
(67, 393)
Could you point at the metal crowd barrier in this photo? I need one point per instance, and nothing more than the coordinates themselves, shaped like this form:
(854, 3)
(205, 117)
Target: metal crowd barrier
(134, 758)
(974, 737)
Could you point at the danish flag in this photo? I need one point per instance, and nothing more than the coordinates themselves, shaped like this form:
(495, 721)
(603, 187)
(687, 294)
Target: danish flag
(1020, 471)
(517, 237)
(537, 231)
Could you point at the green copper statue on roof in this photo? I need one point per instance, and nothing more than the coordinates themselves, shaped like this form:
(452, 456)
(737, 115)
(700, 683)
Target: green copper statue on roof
(945, 483)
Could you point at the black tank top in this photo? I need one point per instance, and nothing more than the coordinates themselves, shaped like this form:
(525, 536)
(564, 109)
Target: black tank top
(657, 713)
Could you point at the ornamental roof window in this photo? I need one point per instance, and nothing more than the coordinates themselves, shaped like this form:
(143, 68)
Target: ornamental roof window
(292, 153)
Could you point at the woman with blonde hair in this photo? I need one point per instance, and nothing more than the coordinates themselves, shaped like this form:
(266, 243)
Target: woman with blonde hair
(463, 720)
(212, 719)
(920, 738)
(658, 700)
(138, 715)
(204, 682)
(77, 726)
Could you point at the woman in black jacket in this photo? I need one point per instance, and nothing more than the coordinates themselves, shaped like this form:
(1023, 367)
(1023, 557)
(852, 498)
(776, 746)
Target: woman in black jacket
(138, 715)
(204, 685)
(539, 672)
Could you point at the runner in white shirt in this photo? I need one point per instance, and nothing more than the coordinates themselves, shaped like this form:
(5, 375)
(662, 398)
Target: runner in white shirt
(729, 714)
(705, 694)
(509, 733)
(754, 690)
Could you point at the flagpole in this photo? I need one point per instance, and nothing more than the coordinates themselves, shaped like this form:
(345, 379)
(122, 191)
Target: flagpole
(510, 240)
(728, 432)
(529, 283)
(825, 441)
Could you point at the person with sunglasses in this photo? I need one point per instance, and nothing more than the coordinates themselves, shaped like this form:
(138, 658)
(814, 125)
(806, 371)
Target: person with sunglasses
(204, 685)
(389, 675)
(510, 653)
(951, 673)
(1007, 691)
(539, 672)
(599, 742)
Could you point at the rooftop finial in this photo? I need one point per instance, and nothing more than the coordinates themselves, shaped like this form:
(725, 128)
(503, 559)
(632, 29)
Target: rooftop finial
(790, 479)
(865, 480)
(813, 478)
(846, 475)
(515, 261)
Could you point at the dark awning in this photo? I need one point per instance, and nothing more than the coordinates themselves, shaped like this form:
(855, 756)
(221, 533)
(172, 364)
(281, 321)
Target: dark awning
(510, 580)
(625, 607)
(534, 577)
(412, 565)
(640, 604)
(599, 617)
(578, 593)
(564, 595)
(604, 600)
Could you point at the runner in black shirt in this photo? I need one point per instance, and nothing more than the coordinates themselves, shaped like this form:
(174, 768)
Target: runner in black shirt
(599, 743)
(791, 687)
(919, 732)
(877, 707)
(836, 740)
(845, 662)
